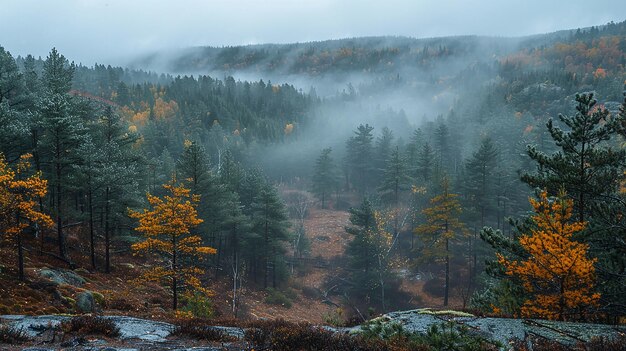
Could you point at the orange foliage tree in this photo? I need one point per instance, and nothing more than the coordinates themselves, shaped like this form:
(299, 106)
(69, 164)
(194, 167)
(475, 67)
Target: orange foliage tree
(557, 273)
(18, 203)
(167, 230)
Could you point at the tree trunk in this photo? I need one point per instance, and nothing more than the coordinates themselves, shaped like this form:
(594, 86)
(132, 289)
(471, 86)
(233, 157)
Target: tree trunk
(60, 236)
(174, 281)
(92, 245)
(107, 234)
(447, 287)
(20, 250)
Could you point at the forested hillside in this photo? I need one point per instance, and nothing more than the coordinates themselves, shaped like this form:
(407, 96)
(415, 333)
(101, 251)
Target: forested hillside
(485, 174)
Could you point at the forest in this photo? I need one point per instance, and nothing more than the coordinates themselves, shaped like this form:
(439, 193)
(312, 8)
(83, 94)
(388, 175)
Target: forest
(484, 175)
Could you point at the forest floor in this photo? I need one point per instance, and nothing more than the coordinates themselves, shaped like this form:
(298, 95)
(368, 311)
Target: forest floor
(124, 295)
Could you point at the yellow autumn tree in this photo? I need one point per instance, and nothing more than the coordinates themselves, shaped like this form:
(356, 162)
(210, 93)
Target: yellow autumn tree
(442, 226)
(557, 273)
(19, 206)
(167, 229)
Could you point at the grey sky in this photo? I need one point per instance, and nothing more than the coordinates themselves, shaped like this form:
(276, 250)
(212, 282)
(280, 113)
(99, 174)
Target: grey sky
(107, 31)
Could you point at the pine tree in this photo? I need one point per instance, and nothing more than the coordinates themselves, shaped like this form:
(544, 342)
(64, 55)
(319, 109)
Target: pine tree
(557, 273)
(361, 248)
(12, 116)
(63, 132)
(395, 178)
(425, 164)
(19, 193)
(413, 150)
(480, 178)
(359, 158)
(442, 227)
(167, 227)
(116, 174)
(586, 166)
(382, 153)
(369, 250)
(270, 224)
(325, 179)
(480, 188)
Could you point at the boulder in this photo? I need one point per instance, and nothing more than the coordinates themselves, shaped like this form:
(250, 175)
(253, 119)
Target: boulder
(85, 302)
(60, 276)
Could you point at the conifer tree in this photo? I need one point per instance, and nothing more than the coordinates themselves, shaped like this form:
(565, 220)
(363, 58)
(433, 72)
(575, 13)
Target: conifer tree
(557, 273)
(442, 227)
(269, 222)
(167, 228)
(425, 164)
(19, 193)
(586, 166)
(395, 178)
(359, 158)
(325, 179)
(382, 153)
(63, 132)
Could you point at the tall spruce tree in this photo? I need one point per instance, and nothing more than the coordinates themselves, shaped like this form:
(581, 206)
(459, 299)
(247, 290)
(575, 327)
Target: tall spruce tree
(325, 179)
(359, 158)
(270, 223)
(63, 132)
(479, 178)
(395, 178)
(425, 164)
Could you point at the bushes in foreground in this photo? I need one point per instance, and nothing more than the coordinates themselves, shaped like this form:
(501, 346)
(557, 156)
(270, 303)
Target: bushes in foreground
(12, 335)
(91, 325)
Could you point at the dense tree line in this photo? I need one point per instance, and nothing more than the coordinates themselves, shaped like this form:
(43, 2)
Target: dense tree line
(97, 163)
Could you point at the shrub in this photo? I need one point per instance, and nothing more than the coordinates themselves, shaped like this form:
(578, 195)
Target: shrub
(12, 335)
(596, 344)
(310, 292)
(90, 325)
(276, 297)
(280, 335)
(202, 330)
(199, 305)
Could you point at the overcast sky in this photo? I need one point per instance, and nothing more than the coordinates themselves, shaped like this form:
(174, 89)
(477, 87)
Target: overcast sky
(108, 31)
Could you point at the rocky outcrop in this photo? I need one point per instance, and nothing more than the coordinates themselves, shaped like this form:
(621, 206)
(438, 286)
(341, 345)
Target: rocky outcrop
(136, 333)
(502, 329)
(61, 276)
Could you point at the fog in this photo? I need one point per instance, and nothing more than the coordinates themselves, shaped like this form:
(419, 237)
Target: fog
(111, 31)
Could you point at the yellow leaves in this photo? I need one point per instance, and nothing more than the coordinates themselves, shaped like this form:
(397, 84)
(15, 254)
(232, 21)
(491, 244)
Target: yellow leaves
(557, 272)
(288, 128)
(167, 229)
(164, 110)
(18, 195)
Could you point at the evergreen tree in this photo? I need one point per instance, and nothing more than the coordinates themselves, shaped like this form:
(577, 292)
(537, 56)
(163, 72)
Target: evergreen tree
(369, 251)
(63, 132)
(442, 147)
(117, 173)
(270, 224)
(382, 153)
(12, 119)
(442, 227)
(361, 248)
(395, 178)
(325, 179)
(479, 180)
(359, 158)
(586, 166)
(413, 150)
(425, 164)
